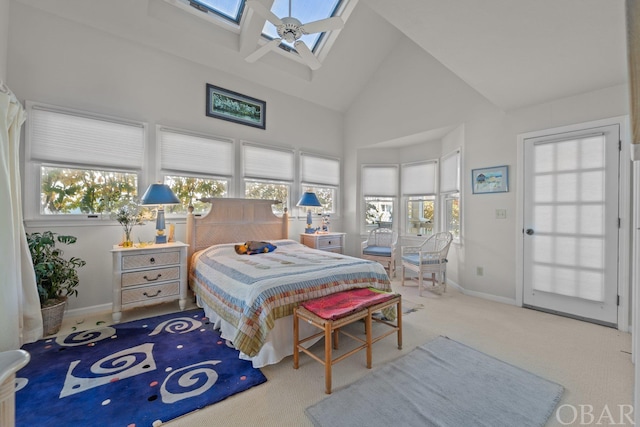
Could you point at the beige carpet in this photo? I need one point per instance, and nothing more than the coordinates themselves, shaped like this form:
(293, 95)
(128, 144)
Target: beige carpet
(592, 362)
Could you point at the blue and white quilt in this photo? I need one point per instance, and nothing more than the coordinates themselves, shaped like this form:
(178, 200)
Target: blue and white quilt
(251, 292)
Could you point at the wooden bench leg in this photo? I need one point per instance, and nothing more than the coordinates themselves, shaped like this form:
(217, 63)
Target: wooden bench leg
(296, 338)
(369, 328)
(327, 356)
(399, 323)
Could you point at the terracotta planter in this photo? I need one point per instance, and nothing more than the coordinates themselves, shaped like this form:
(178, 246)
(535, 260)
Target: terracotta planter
(52, 316)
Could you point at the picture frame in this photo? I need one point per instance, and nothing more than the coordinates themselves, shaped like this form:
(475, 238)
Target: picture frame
(490, 180)
(234, 107)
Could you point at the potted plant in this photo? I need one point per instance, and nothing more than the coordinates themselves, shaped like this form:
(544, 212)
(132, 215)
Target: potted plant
(56, 276)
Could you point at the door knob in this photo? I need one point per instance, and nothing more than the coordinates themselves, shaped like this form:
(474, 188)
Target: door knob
(530, 231)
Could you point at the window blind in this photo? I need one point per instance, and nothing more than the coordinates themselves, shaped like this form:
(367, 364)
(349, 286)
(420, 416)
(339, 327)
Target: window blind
(418, 178)
(450, 173)
(380, 181)
(267, 163)
(319, 170)
(59, 136)
(180, 151)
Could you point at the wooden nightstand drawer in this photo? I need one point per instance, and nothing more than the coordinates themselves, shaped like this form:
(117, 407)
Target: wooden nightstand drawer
(149, 276)
(329, 242)
(130, 262)
(147, 293)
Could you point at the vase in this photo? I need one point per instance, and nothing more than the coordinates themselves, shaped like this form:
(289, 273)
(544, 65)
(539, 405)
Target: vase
(127, 242)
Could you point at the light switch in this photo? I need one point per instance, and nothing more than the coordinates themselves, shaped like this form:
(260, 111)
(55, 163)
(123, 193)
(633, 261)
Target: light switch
(501, 214)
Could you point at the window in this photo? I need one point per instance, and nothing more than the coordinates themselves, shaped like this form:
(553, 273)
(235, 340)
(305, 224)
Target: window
(80, 164)
(305, 11)
(420, 215)
(268, 174)
(418, 186)
(195, 166)
(230, 10)
(379, 190)
(450, 192)
(322, 176)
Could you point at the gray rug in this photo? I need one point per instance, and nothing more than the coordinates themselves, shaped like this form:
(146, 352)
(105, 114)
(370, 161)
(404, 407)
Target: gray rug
(441, 383)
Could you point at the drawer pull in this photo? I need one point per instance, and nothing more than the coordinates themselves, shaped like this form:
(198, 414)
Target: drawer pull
(152, 296)
(329, 241)
(152, 280)
(152, 260)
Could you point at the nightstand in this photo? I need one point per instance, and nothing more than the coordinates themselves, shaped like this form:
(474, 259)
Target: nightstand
(330, 242)
(149, 275)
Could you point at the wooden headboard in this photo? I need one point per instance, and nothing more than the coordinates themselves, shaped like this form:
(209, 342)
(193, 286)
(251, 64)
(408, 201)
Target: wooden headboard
(235, 220)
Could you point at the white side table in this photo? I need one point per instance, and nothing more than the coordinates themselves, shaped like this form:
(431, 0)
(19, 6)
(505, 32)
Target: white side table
(149, 275)
(331, 242)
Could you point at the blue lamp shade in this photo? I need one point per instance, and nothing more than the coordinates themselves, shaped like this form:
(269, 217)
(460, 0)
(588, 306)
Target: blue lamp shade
(159, 194)
(309, 199)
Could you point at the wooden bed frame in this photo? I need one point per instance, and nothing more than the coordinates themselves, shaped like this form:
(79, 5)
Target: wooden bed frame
(234, 220)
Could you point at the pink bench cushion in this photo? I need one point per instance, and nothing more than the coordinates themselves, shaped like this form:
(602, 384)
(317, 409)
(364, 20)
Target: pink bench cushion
(341, 304)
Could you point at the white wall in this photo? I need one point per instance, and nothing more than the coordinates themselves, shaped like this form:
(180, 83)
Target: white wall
(489, 136)
(63, 63)
(4, 37)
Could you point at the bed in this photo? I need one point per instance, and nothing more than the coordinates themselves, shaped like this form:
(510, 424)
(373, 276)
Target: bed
(250, 298)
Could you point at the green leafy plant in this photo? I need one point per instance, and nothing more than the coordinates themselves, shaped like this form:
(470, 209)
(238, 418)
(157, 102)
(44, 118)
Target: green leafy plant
(56, 276)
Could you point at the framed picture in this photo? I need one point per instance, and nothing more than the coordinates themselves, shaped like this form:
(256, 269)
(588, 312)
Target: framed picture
(490, 180)
(235, 107)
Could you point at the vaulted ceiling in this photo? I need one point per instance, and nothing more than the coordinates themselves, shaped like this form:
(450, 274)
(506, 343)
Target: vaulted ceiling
(513, 52)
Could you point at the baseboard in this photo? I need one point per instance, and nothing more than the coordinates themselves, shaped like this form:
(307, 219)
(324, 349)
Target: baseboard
(89, 311)
(482, 295)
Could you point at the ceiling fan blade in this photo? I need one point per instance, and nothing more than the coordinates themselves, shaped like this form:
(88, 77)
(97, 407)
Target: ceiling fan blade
(329, 24)
(307, 56)
(264, 12)
(259, 53)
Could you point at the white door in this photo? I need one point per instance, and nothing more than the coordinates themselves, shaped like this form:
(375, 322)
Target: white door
(571, 225)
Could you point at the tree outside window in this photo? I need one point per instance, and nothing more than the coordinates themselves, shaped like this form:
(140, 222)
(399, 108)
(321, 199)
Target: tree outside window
(269, 190)
(83, 191)
(190, 189)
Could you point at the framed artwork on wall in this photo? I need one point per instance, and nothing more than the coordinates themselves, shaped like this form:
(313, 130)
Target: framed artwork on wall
(235, 107)
(490, 180)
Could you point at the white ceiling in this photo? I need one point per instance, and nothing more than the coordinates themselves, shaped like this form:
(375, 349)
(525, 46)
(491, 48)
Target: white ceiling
(513, 52)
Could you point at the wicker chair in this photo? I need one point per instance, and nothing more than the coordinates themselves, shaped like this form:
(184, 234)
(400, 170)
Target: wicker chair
(429, 257)
(380, 246)
(10, 362)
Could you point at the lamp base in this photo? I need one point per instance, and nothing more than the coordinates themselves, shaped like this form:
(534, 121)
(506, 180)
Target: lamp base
(310, 230)
(161, 239)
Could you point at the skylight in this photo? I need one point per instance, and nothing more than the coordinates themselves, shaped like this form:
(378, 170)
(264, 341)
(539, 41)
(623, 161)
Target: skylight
(305, 11)
(228, 9)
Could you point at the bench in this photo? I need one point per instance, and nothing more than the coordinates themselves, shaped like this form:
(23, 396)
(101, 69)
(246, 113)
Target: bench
(330, 313)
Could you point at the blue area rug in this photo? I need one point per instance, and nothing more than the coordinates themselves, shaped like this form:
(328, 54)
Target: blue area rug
(138, 374)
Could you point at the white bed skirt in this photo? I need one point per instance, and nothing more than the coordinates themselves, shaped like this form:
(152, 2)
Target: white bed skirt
(279, 342)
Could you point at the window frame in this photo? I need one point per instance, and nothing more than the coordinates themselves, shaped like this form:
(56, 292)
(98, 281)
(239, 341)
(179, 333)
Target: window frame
(429, 192)
(33, 168)
(387, 193)
(163, 172)
(452, 193)
(286, 180)
(320, 184)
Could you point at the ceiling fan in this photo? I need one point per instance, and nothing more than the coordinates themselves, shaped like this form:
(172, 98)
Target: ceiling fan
(290, 30)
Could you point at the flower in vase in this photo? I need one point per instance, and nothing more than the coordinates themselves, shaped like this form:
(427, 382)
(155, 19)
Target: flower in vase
(128, 213)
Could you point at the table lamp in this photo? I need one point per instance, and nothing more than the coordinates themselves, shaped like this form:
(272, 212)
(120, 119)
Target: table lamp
(160, 195)
(309, 199)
